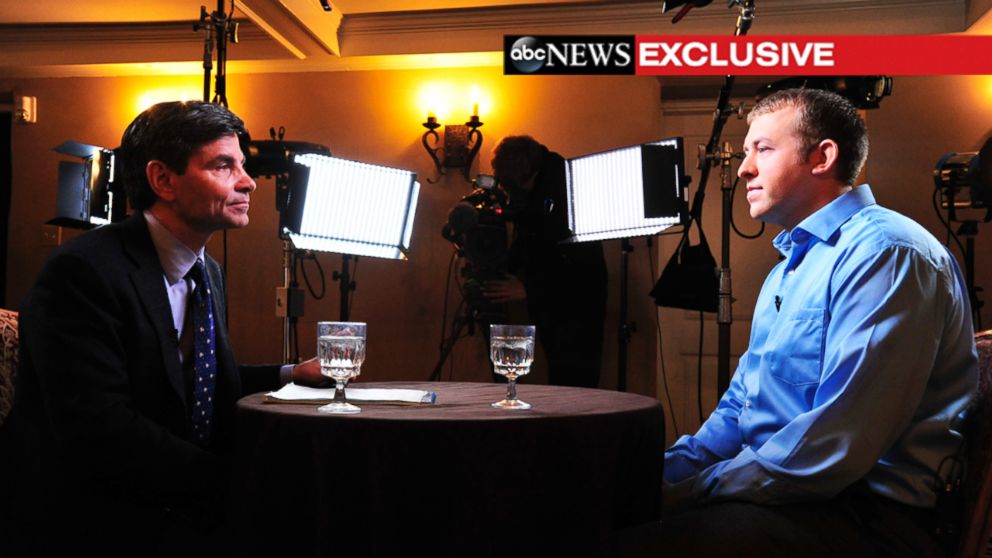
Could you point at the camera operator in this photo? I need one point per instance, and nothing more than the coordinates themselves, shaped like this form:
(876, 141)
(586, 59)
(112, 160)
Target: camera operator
(564, 284)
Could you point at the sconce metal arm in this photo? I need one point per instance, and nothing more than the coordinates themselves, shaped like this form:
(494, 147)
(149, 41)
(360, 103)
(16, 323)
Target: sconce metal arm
(475, 141)
(431, 126)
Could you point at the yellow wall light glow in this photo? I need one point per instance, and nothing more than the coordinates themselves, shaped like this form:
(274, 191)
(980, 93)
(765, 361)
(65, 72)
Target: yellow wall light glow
(435, 100)
(453, 103)
(481, 102)
(155, 96)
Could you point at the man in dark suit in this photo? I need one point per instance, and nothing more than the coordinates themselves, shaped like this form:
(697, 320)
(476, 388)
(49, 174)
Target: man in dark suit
(123, 412)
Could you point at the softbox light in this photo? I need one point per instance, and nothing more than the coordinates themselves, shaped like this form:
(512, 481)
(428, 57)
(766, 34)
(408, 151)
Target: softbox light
(627, 192)
(349, 207)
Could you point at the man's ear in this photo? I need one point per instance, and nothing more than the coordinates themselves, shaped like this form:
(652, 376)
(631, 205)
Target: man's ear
(161, 179)
(824, 157)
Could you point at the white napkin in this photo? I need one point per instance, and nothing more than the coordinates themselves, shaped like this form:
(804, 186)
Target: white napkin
(292, 393)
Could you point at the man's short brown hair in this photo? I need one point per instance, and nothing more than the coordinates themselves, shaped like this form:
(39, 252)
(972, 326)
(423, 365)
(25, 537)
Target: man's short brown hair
(823, 115)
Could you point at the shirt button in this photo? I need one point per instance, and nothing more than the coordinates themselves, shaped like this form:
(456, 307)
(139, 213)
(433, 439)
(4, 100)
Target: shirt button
(747, 403)
(791, 272)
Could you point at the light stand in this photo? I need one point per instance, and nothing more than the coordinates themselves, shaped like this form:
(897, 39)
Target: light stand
(345, 286)
(725, 295)
(626, 328)
(969, 229)
(289, 301)
(208, 48)
(711, 155)
(622, 194)
(218, 28)
(273, 158)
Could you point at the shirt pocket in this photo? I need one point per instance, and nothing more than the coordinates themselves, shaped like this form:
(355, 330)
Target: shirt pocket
(795, 350)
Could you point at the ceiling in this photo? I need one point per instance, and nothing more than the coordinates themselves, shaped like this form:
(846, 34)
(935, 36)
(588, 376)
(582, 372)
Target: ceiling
(56, 38)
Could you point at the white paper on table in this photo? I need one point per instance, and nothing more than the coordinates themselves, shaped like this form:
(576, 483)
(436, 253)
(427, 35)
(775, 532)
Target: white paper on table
(292, 393)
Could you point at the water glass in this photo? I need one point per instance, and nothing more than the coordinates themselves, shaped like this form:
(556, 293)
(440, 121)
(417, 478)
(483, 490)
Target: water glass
(511, 348)
(341, 351)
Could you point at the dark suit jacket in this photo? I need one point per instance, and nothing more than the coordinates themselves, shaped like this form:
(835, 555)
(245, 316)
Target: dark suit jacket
(99, 434)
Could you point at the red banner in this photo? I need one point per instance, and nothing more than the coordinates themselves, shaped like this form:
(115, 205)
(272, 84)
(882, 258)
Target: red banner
(794, 55)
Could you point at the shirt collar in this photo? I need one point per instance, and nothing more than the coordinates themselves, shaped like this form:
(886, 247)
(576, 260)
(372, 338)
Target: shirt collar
(176, 258)
(827, 220)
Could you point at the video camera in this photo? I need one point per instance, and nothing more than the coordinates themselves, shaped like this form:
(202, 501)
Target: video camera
(477, 228)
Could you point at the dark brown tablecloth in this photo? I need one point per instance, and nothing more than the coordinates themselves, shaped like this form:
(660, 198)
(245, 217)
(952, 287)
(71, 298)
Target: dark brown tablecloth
(458, 478)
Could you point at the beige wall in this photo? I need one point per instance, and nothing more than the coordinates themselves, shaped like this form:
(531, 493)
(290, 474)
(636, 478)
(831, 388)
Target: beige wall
(370, 116)
(924, 118)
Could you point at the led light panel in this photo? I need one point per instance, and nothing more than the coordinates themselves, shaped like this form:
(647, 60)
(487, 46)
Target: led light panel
(607, 191)
(356, 208)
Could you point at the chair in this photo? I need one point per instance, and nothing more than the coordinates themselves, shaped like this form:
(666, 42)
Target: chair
(976, 534)
(8, 360)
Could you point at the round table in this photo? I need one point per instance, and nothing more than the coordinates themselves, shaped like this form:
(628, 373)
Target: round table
(457, 478)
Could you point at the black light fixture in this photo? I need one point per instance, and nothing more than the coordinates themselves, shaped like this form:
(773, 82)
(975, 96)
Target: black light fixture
(461, 144)
(963, 181)
(88, 194)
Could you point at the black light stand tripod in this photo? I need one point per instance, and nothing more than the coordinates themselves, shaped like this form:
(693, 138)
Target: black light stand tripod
(709, 156)
(969, 229)
(218, 28)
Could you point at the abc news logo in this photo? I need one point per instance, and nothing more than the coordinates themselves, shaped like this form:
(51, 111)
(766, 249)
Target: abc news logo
(568, 54)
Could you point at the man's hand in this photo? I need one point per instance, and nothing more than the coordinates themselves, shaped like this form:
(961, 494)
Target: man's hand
(307, 373)
(499, 291)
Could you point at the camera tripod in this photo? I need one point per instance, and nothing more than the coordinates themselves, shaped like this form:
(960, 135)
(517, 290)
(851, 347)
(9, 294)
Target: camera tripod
(471, 310)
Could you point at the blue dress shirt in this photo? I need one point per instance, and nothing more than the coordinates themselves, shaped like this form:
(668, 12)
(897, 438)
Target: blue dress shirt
(860, 360)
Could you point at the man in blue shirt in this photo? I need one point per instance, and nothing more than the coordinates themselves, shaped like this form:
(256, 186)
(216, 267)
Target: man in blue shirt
(835, 431)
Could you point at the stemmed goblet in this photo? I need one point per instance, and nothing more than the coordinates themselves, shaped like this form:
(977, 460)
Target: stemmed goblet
(511, 348)
(341, 351)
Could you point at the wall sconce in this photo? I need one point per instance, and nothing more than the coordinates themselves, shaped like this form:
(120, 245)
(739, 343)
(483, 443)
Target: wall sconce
(461, 144)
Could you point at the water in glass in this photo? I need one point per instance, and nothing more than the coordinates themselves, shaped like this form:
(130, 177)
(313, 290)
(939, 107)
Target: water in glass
(512, 356)
(341, 351)
(511, 348)
(341, 357)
